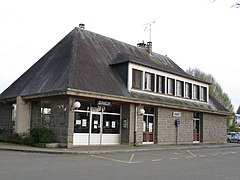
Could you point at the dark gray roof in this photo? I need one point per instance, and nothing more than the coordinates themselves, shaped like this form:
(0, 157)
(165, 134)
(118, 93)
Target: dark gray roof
(81, 61)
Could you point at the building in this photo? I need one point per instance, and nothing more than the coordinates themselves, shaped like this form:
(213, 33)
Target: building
(94, 90)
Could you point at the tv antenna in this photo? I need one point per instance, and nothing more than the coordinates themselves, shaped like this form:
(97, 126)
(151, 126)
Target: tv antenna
(148, 27)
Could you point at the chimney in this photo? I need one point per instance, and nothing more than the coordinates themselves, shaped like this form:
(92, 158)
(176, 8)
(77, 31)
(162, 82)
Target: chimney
(142, 44)
(147, 46)
(82, 26)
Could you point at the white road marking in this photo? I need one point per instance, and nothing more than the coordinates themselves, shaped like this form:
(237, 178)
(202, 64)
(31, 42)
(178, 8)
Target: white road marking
(194, 155)
(155, 160)
(174, 158)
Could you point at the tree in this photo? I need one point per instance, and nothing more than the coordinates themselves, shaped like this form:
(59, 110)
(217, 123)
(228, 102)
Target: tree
(236, 5)
(238, 110)
(215, 88)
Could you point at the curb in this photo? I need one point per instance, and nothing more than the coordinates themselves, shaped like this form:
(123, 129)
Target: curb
(108, 151)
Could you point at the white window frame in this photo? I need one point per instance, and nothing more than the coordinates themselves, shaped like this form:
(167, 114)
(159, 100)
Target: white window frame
(155, 90)
(179, 88)
(195, 94)
(170, 86)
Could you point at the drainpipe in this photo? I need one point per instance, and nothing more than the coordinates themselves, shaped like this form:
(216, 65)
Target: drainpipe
(135, 128)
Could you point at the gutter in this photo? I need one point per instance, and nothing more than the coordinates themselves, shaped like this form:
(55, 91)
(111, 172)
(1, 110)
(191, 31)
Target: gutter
(82, 93)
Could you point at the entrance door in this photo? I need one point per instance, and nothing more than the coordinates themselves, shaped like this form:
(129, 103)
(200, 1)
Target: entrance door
(148, 129)
(196, 130)
(95, 133)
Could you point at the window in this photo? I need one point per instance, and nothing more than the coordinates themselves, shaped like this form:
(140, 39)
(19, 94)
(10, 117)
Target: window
(81, 122)
(46, 113)
(170, 86)
(203, 94)
(196, 92)
(161, 84)
(179, 88)
(137, 79)
(149, 81)
(111, 124)
(188, 90)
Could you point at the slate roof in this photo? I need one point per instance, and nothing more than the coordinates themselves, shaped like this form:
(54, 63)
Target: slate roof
(82, 60)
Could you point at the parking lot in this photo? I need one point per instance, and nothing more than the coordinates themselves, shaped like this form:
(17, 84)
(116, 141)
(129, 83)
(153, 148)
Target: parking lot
(213, 163)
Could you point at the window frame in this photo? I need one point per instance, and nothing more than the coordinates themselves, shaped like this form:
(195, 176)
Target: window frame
(170, 86)
(188, 94)
(160, 84)
(203, 94)
(149, 81)
(179, 88)
(195, 92)
(137, 78)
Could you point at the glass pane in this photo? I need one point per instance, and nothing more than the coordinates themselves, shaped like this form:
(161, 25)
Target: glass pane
(112, 109)
(81, 122)
(137, 79)
(111, 124)
(170, 86)
(95, 123)
(161, 84)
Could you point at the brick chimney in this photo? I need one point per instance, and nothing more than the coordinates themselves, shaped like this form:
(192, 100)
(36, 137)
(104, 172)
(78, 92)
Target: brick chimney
(147, 46)
(82, 26)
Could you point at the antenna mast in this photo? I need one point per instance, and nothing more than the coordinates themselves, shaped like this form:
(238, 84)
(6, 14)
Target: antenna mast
(148, 26)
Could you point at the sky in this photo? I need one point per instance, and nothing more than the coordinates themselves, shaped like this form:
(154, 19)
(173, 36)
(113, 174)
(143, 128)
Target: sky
(193, 33)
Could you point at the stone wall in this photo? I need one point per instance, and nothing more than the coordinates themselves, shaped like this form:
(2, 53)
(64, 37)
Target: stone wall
(59, 119)
(214, 128)
(139, 135)
(167, 131)
(166, 126)
(5, 115)
(125, 131)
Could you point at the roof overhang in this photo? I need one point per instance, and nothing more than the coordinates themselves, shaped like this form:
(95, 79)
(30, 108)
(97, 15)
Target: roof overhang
(88, 94)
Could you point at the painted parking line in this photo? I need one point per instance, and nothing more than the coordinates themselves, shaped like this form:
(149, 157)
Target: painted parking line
(194, 155)
(189, 157)
(156, 160)
(131, 158)
(130, 161)
(174, 158)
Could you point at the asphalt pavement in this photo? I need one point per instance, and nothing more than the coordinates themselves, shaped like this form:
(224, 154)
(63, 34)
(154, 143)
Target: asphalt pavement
(110, 149)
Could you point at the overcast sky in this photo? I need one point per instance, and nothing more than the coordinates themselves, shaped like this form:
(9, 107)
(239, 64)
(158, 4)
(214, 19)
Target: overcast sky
(193, 33)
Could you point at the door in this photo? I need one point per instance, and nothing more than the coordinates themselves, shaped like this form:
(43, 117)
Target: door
(148, 129)
(196, 130)
(95, 133)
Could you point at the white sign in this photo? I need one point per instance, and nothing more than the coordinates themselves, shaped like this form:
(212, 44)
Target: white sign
(176, 114)
(104, 103)
(78, 122)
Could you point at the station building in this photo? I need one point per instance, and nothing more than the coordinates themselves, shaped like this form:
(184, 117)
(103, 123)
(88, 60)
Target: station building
(94, 90)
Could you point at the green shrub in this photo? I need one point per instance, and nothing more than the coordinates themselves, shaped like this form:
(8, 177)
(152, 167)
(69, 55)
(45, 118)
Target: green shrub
(22, 138)
(233, 128)
(40, 135)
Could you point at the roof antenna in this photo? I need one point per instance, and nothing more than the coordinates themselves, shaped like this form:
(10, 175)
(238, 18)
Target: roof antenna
(148, 26)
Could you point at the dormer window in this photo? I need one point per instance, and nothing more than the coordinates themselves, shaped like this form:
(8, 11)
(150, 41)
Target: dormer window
(203, 94)
(149, 81)
(188, 90)
(160, 84)
(137, 79)
(154, 82)
(170, 86)
(196, 92)
(179, 88)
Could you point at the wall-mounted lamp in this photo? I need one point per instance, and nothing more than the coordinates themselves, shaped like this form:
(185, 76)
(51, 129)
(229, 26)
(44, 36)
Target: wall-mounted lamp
(76, 105)
(141, 111)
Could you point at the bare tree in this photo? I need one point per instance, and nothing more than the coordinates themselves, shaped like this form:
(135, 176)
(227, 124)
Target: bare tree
(236, 5)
